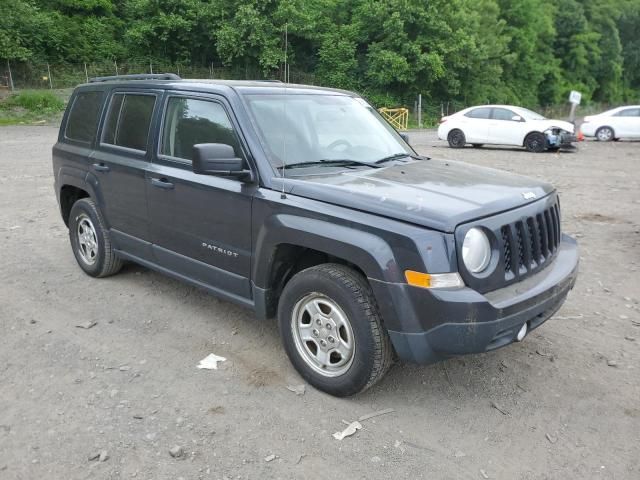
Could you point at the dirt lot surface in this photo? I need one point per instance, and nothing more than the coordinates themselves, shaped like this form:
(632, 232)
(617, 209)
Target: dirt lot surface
(564, 404)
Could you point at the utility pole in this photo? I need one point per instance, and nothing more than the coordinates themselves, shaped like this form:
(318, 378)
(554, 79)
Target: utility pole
(86, 73)
(49, 73)
(10, 76)
(419, 110)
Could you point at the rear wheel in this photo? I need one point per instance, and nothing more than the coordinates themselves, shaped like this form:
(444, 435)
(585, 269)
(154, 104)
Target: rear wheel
(456, 138)
(535, 142)
(605, 134)
(332, 330)
(90, 240)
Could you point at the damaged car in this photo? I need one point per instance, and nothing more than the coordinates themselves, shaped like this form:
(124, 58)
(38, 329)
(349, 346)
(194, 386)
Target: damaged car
(506, 125)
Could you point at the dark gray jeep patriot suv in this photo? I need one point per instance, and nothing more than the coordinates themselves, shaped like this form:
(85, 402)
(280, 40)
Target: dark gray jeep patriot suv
(303, 203)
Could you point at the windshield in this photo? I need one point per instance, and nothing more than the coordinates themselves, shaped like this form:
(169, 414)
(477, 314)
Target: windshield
(530, 114)
(317, 129)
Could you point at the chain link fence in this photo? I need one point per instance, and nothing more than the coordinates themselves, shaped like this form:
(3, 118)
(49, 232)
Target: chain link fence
(29, 75)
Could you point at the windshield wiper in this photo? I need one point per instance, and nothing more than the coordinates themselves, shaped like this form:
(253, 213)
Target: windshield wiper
(397, 156)
(332, 163)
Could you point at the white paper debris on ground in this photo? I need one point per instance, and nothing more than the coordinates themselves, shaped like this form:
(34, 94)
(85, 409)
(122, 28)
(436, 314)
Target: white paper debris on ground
(347, 432)
(210, 362)
(87, 325)
(297, 389)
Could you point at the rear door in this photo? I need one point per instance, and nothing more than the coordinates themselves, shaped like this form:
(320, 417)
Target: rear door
(503, 129)
(120, 163)
(475, 125)
(200, 224)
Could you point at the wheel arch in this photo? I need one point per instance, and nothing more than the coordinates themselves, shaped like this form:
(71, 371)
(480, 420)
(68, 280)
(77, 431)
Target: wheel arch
(613, 130)
(528, 134)
(288, 244)
(73, 184)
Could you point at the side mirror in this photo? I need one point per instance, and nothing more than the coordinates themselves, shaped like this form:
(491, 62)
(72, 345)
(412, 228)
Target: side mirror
(218, 159)
(517, 118)
(405, 137)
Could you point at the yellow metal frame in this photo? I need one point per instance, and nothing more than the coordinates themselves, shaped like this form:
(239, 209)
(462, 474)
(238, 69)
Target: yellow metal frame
(398, 117)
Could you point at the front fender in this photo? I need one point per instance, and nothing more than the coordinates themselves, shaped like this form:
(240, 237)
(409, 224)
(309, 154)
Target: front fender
(369, 252)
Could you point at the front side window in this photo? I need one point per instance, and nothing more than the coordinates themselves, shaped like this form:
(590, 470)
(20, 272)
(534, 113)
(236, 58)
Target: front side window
(129, 120)
(503, 114)
(312, 128)
(479, 113)
(629, 112)
(190, 121)
(83, 117)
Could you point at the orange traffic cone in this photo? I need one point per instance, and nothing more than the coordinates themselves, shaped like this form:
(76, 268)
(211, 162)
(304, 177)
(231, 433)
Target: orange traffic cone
(580, 136)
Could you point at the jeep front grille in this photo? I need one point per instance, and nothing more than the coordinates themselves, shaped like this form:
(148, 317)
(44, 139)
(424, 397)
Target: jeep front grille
(531, 242)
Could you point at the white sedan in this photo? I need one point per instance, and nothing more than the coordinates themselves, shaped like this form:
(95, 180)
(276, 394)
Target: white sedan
(613, 124)
(505, 125)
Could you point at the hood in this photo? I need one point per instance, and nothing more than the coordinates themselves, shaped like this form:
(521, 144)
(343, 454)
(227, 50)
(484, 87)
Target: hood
(436, 194)
(543, 125)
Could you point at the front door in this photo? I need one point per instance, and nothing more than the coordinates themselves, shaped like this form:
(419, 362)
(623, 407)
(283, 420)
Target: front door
(504, 130)
(626, 123)
(200, 224)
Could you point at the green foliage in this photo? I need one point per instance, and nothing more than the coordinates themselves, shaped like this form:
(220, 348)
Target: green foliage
(35, 100)
(529, 52)
(30, 106)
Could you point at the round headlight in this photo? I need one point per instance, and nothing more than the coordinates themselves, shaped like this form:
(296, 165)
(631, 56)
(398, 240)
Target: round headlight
(476, 250)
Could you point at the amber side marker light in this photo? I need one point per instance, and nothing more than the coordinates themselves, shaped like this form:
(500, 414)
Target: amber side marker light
(433, 280)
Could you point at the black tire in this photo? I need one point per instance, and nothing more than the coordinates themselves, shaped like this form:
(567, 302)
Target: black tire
(535, 142)
(605, 134)
(478, 145)
(372, 351)
(100, 261)
(456, 138)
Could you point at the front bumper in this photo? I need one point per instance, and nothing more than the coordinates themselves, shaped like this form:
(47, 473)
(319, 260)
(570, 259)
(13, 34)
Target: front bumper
(561, 139)
(438, 324)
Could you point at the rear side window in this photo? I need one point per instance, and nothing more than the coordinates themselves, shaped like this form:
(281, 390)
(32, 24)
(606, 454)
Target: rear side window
(129, 120)
(190, 121)
(479, 113)
(83, 117)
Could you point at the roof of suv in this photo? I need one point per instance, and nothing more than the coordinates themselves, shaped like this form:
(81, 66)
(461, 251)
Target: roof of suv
(242, 86)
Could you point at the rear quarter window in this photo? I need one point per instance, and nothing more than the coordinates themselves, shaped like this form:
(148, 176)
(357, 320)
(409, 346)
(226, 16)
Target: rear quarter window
(83, 117)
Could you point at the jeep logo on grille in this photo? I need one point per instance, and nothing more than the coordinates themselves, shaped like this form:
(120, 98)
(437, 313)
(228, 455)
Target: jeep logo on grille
(528, 195)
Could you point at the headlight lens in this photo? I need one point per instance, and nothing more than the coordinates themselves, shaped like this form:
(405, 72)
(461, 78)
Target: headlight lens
(476, 250)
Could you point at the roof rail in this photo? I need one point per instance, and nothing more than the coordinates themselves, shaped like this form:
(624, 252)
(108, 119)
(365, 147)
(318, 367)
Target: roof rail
(137, 76)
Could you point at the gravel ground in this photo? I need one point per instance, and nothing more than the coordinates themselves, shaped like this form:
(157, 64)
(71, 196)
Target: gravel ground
(562, 404)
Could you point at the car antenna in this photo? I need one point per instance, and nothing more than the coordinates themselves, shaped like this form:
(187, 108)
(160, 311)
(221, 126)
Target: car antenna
(283, 195)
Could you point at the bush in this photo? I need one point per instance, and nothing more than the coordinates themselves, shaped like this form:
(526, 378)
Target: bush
(36, 101)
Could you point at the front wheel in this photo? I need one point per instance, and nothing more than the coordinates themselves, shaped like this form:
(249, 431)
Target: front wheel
(456, 138)
(332, 330)
(605, 134)
(535, 142)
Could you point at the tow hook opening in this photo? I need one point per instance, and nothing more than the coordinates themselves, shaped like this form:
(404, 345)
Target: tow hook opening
(522, 332)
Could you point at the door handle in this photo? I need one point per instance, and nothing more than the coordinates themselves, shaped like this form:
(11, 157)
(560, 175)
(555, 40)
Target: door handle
(100, 167)
(161, 183)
